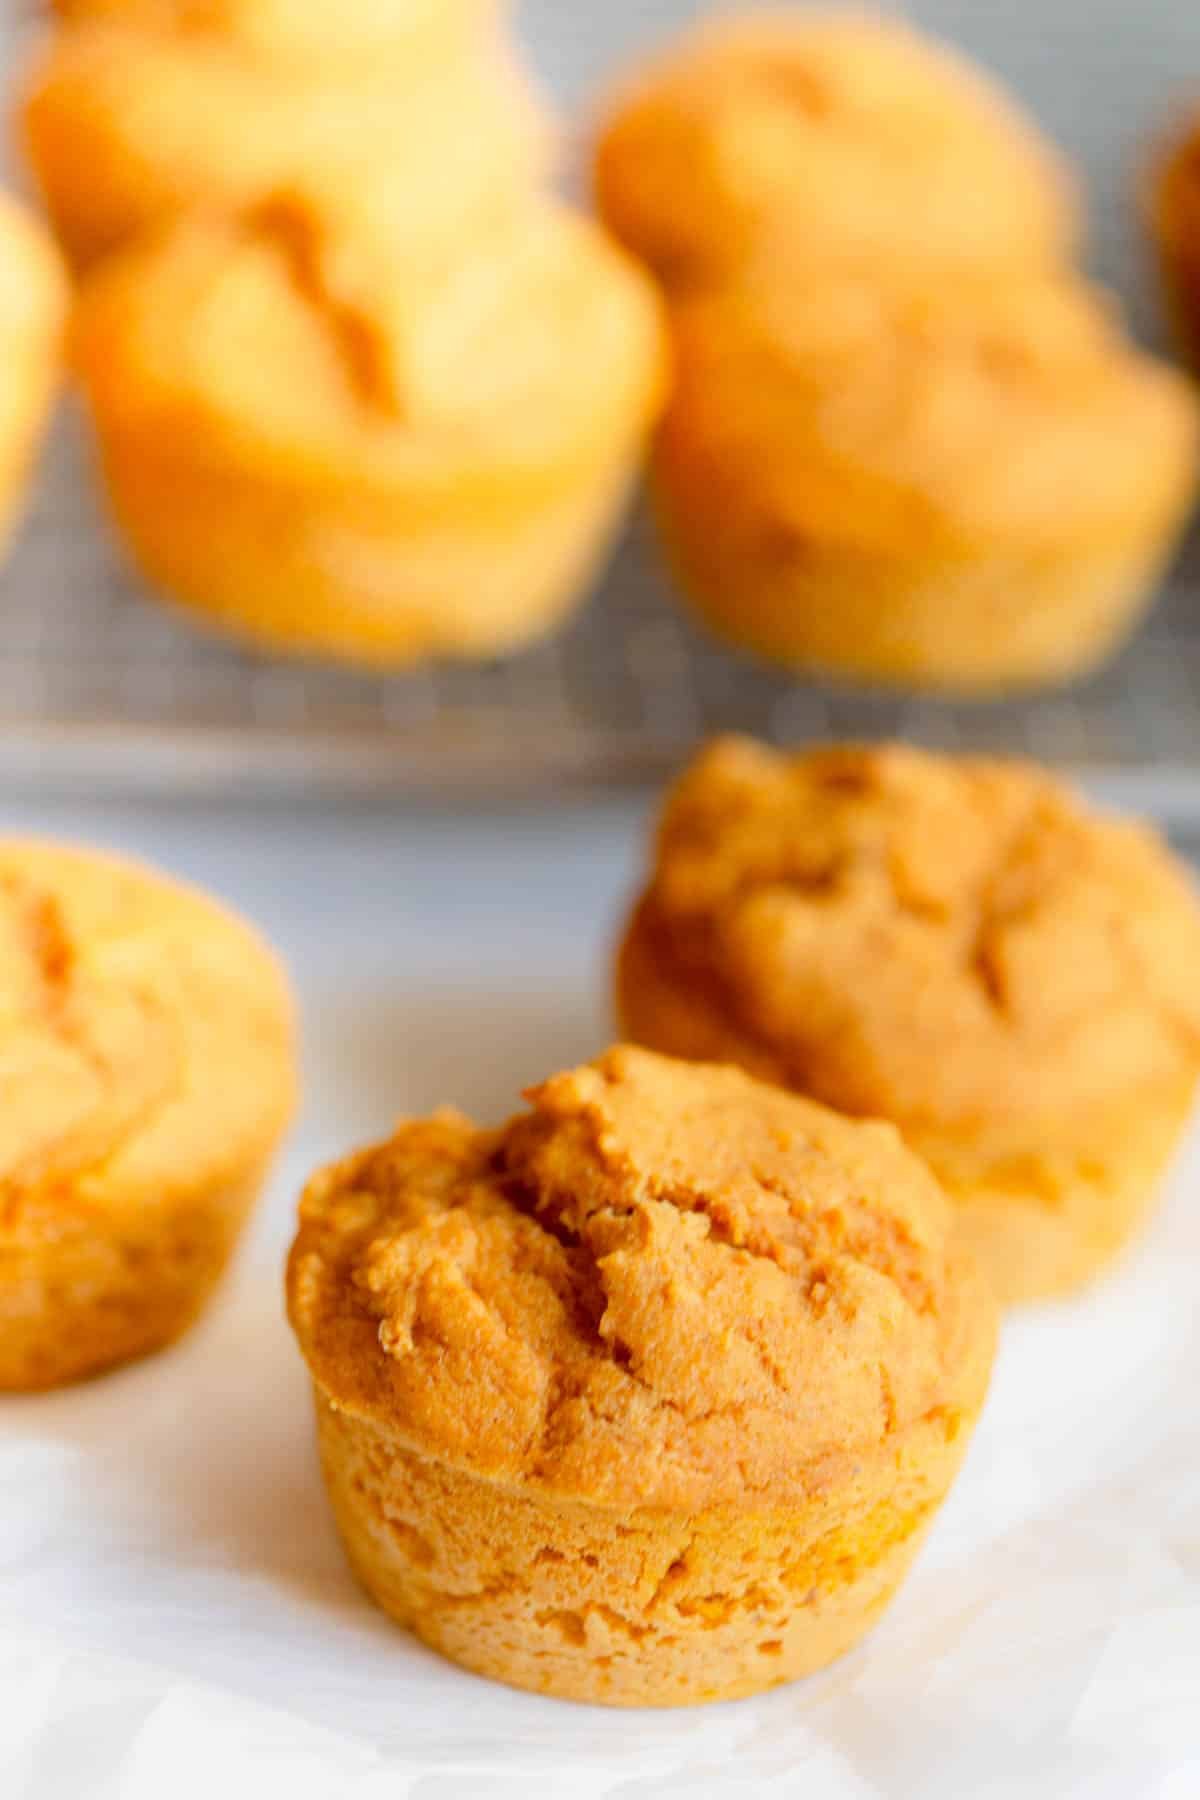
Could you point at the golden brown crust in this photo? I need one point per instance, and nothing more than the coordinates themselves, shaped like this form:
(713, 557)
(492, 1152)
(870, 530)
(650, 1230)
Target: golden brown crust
(647, 1397)
(844, 140)
(657, 1260)
(33, 308)
(317, 441)
(954, 944)
(148, 1076)
(966, 485)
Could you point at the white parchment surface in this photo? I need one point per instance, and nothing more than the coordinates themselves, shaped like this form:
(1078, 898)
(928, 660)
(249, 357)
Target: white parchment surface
(176, 1619)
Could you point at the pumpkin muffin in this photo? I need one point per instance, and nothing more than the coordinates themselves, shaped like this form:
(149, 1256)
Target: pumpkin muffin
(33, 307)
(136, 115)
(324, 447)
(972, 486)
(145, 1042)
(955, 944)
(847, 141)
(647, 1398)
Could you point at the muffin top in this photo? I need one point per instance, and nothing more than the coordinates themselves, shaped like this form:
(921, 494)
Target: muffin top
(145, 1038)
(853, 140)
(147, 115)
(299, 340)
(955, 944)
(664, 1285)
(913, 413)
(292, 29)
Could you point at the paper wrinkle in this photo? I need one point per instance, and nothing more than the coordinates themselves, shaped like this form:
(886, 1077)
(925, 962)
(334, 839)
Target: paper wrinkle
(176, 1615)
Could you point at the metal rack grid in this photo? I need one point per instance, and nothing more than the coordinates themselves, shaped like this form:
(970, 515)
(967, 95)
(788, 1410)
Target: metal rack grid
(99, 684)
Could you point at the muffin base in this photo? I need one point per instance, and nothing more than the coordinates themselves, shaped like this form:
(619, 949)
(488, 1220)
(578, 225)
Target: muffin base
(1040, 1225)
(81, 1292)
(971, 621)
(639, 1608)
(277, 569)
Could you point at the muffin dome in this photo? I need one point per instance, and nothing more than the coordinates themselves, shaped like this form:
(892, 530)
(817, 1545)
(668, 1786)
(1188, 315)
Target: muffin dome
(142, 114)
(318, 440)
(849, 141)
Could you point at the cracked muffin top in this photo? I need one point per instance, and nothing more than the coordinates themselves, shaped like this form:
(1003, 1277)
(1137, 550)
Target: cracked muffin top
(300, 339)
(145, 1038)
(292, 29)
(852, 141)
(666, 1284)
(956, 944)
(924, 412)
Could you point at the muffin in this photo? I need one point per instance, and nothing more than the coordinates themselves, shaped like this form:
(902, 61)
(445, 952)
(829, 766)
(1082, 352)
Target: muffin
(1175, 225)
(972, 487)
(33, 304)
(647, 1398)
(851, 142)
(146, 1047)
(323, 447)
(139, 114)
(955, 944)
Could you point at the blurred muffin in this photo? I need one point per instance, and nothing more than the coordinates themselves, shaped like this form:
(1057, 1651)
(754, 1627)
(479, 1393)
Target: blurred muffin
(145, 1038)
(647, 1398)
(326, 448)
(1175, 223)
(33, 307)
(968, 486)
(852, 142)
(148, 112)
(954, 944)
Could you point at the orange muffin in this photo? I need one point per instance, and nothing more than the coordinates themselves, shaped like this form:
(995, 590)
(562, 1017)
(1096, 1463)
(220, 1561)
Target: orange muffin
(970, 486)
(145, 1040)
(138, 114)
(847, 141)
(648, 1398)
(33, 306)
(323, 447)
(955, 944)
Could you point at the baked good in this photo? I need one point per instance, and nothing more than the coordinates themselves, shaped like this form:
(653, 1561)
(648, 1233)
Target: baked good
(145, 1039)
(33, 305)
(647, 1398)
(327, 448)
(1175, 226)
(955, 944)
(850, 142)
(969, 486)
(135, 115)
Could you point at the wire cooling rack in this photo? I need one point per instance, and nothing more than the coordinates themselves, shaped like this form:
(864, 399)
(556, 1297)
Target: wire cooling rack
(101, 686)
